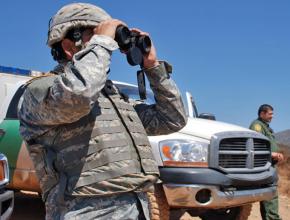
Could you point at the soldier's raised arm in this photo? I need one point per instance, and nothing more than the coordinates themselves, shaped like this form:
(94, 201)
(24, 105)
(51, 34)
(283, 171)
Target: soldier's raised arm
(168, 114)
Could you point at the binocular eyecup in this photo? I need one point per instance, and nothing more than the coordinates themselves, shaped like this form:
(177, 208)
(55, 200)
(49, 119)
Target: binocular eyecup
(133, 44)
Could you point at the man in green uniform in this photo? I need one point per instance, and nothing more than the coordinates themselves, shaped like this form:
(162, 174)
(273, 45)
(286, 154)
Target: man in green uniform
(269, 209)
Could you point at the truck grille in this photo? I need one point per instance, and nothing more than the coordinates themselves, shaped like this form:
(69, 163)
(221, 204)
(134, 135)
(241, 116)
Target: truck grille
(244, 153)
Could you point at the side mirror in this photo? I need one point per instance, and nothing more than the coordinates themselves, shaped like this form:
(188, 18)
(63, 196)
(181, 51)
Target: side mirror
(192, 109)
(207, 116)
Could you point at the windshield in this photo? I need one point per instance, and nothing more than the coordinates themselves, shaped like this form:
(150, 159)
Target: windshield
(133, 93)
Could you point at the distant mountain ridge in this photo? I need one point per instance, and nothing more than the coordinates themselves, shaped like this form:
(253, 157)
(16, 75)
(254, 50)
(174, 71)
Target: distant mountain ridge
(283, 137)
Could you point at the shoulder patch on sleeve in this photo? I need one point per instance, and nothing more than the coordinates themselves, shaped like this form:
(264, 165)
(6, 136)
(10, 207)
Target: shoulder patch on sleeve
(39, 86)
(257, 127)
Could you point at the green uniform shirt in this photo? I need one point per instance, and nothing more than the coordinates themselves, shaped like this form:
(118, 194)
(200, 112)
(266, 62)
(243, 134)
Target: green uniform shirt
(262, 127)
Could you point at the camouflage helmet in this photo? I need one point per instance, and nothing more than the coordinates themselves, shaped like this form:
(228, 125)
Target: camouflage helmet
(71, 16)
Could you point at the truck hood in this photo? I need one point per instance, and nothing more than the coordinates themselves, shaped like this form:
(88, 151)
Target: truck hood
(204, 128)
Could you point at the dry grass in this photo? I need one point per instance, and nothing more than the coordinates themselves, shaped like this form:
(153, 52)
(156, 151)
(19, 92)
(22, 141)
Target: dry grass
(284, 172)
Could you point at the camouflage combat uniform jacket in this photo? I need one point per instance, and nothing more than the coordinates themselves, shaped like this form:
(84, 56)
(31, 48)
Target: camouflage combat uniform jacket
(85, 137)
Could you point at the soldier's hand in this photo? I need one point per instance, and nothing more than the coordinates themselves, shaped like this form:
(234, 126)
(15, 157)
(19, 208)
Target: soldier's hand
(277, 156)
(108, 27)
(150, 59)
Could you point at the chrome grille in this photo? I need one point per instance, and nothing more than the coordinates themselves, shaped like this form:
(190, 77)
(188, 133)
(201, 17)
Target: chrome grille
(232, 161)
(260, 160)
(262, 152)
(244, 153)
(233, 144)
(260, 145)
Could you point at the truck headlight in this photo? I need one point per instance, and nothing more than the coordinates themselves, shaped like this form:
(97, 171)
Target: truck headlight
(4, 170)
(185, 153)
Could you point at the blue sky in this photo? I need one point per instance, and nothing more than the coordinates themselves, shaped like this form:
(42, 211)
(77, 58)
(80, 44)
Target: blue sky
(232, 55)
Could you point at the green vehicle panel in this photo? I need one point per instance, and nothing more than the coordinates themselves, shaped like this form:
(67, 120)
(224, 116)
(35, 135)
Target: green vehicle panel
(10, 142)
(22, 174)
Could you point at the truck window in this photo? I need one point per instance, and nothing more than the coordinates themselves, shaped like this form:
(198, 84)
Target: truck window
(133, 93)
(12, 112)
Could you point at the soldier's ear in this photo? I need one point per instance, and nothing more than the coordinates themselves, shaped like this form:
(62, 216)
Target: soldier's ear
(69, 48)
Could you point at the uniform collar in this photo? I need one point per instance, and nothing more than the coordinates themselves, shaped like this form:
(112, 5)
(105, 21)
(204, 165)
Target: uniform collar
(264, 122)
(59, 68)
(267, 124)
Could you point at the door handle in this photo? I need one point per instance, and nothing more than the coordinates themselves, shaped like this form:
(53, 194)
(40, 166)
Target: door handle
(2, 132)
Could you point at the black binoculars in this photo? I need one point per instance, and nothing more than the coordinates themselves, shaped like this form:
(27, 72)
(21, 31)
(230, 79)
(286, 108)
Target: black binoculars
(133, 44)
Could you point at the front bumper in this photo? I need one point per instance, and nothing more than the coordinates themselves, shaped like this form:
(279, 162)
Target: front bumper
(185, 196)
(6, 204)
(208, 176)
(209, 188)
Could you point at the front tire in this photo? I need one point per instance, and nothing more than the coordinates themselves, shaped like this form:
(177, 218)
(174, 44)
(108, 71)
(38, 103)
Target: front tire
(158, 206)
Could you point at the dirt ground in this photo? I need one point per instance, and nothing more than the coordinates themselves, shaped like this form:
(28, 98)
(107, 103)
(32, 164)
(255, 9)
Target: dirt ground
(28, 206)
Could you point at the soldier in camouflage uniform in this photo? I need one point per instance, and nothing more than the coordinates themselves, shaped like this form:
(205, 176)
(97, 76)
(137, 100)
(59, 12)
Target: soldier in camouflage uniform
(89, 145)
(269, 209)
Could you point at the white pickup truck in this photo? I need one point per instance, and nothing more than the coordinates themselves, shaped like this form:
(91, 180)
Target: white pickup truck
(210, 169)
